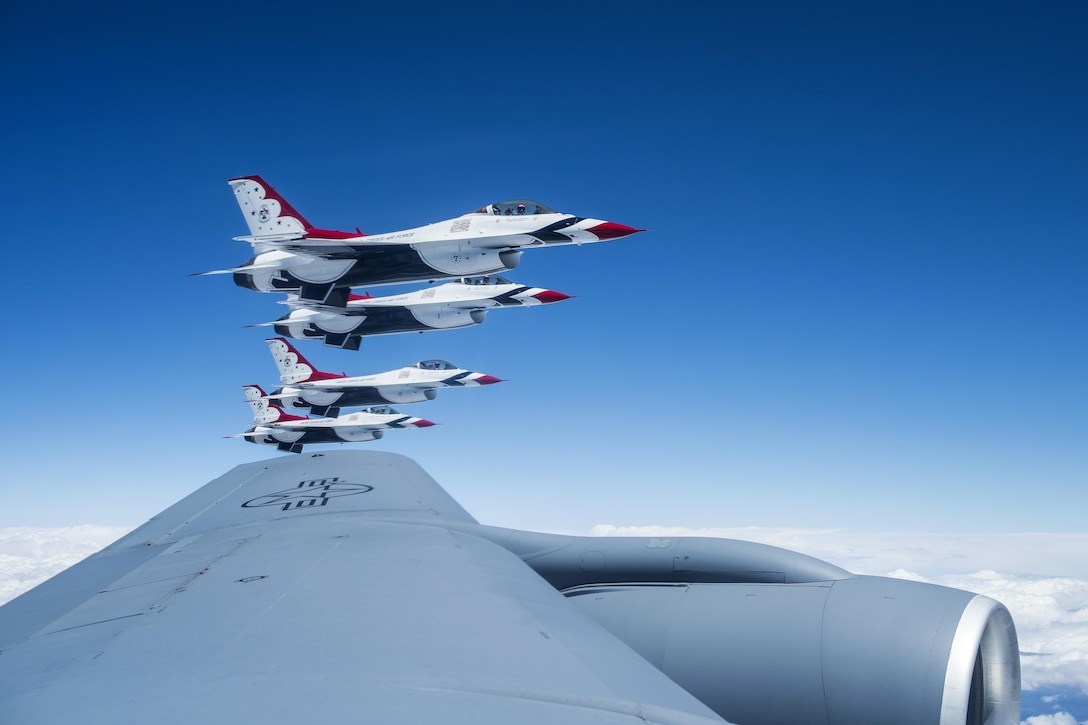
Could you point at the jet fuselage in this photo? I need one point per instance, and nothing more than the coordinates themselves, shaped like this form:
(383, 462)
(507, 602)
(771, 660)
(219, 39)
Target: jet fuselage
(447, 306)
(293, 255)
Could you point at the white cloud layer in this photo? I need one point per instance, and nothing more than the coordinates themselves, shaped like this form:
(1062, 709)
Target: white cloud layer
(29, 556)
(1060, 718)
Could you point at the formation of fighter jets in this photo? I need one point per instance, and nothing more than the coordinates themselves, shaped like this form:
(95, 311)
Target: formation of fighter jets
(317, 268)
(357, 579)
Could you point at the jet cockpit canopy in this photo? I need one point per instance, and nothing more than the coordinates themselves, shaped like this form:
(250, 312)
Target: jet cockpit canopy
(515, 207)
(435, 365)
(381, 410)
(485, 280)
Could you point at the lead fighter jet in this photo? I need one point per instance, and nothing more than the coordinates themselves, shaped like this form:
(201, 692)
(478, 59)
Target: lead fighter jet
(291, 255)
(443, 307)
(304, 386)
(288, 432)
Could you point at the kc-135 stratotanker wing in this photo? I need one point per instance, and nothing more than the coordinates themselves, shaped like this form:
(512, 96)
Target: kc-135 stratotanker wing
(274, 426)
(441, 307)
(348, 587)
(304, 386)
(292, 255)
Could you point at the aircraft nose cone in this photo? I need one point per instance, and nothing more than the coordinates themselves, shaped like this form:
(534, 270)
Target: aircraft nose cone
(424, 423)
(612, 230)
(488, 380)
(547, 296)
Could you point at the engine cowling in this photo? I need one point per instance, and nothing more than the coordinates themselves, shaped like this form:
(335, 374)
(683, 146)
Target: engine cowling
(856, 651)
(763, 635)
(406, 394)
(510, 258)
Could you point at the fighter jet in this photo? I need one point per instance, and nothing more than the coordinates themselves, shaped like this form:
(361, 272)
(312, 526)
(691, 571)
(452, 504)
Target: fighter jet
(291, 255)
(304, 386)
(289, 432)
(443, 307)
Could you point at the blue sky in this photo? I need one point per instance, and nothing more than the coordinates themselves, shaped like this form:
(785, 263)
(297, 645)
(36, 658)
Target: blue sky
(862, 306)
(862, 303)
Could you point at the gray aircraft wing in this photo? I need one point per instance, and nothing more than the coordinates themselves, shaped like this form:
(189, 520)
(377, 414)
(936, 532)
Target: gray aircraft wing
(334, 587)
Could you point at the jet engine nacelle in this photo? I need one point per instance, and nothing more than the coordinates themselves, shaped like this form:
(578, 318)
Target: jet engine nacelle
(855, 651)
(764, 635)
(356, 434)
(459, 260)
(445, 318)
(313, 398)
(405, 394)
(511, 258)
(262, 272)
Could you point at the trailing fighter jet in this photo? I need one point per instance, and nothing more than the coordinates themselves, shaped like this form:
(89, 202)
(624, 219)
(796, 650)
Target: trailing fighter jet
(289, 432)
(292, 255)
(443, 307)
(304, 386)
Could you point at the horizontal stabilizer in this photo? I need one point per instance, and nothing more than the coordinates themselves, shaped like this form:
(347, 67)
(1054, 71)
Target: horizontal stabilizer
(293, 302)
(236, 270)
(270, 238)
(277, 396)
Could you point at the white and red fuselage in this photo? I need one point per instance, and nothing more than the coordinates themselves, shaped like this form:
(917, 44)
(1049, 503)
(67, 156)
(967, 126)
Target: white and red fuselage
(442, 307)
(293, 256)
(303, 386)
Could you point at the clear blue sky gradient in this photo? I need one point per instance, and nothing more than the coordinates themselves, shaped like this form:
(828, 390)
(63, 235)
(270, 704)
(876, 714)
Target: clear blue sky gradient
(863, 304)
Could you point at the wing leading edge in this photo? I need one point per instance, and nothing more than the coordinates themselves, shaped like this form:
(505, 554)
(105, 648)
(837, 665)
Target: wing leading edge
(344, 586)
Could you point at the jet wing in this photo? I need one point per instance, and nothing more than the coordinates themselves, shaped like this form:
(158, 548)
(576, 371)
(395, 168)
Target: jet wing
(326, 248)
(333, 587)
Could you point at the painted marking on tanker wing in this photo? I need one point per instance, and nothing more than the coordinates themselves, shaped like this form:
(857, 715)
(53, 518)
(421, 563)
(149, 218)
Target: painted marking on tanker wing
(314, 492)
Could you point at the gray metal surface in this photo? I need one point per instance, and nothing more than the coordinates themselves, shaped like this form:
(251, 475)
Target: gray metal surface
(341, 587)
(854, 651)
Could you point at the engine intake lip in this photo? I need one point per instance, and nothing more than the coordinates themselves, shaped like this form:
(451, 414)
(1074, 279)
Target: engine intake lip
(982, 681)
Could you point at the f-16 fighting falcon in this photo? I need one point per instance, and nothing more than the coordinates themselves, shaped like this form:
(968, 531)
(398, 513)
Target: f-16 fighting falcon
(289, 432)
(304, 386)
(291, 255)
(443, 307)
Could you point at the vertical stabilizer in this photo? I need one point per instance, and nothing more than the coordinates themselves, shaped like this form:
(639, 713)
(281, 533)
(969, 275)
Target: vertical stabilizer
(266, 212)
(265, 411)
(293, 367)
